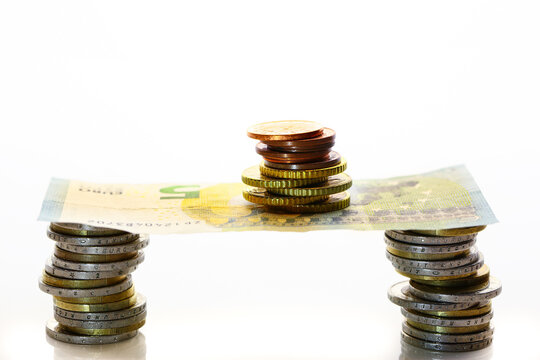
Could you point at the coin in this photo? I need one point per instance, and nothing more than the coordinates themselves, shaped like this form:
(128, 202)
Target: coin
(474, 311)
(443, 321)
(285, 130)
(333, 185)
(325, 139)
(111, 266)
(261, 196)
(439, 274)
(101, 332)
(452, 232)
(449, 329)
(446, 338)
(427, 257)
(138, 307)
(133, 246)
(335, 202)
(103, 308)
(481, 277)
(301, 149)
(413, 238)
(252, 177)
(75, 293)
(429, 249)
(56, 331)
(438, 346)
(399, 295)
(97, 299)
(80, 284)
(96, 240)
(90, 258)
(52, 269)
(470, 258)
(100, 324)
(456, 295)
(303, 174)
(332, 159)
(83, 230)
(287, 157)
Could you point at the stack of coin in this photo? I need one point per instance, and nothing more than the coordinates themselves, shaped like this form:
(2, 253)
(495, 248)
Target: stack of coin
(447, 301)
(300, 172)
(89, 278)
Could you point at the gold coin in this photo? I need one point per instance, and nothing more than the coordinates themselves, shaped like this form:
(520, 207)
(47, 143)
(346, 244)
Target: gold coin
(475, 311)
(76, 229)
(91, 258)
(452, 232)
(431, 278)
(102, 307)
(80, 284)
(481, 277)
(334, 184)
(448, 290)
(448, 329)
(423, 256)
(252, 177)
(261, 196)
(98, 299)
(98, 332)
(285, 130)
(304, 174)
(334, 202)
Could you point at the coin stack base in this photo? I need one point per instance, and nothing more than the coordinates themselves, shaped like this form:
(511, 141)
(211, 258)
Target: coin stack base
(89, 277)
(447, 301)
(300, 172)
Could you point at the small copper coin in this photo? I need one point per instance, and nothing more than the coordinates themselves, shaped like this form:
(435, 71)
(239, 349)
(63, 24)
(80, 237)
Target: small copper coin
(333, 159)
(297, 149)
(285, 157)
(327, 137)
(285, 130)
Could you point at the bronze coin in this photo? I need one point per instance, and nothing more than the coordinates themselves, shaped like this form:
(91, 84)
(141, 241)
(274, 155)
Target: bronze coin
(333, 159)
(270, 155)
(285, 130)
(326, 137)
(296, 149)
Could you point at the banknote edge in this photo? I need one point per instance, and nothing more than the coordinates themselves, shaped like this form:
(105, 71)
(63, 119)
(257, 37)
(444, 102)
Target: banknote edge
(52, 206)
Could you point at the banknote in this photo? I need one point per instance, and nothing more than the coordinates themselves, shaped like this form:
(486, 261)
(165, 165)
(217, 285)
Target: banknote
(445, 198)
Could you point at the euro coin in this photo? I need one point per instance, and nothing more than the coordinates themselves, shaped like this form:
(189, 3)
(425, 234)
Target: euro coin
(399, 295)
(285, 130)
(332, 159)
(439, 274)
(452, 232)
(83, 230)
(92, 258)
(131, 247)
(474, 311)
(334, 184)
(449, 329)
(414, 238)
(457, 295)
(481, 277)
(261, 196)
(98, 299)
(335, 202)
(290, 157)
(57, 332)
(110, 266)
(95, 240)
(100, 324)
(77, 293)
(303, 174)
(137, 305)
(325, 139)
(427, 257)
(252, 177)
(470, 258)
(449, 347)
(79, 284)
(98, 307)
(429, 249)
(85, 275)
(445, 321)
(101, 332)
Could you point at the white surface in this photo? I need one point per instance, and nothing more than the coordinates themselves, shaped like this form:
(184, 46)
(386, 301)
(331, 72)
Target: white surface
(163, 91)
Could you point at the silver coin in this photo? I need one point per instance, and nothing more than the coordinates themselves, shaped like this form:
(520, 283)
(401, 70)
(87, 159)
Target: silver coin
(399, 295)
(461, 270)
(56, 331)
(470, 258)
(453, 347)
(413, 238)
(446, 338)
(449, 322)
(110, 266)
(51, 269)
(492, 290)
(136, 245)
(429, 249)
(95, 240)
(78, 293)
(136, 309)
(78, 229)
(101, 324)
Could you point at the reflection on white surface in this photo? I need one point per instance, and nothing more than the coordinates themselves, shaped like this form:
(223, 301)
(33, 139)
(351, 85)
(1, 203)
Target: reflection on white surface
(132, 349)
(409, 352)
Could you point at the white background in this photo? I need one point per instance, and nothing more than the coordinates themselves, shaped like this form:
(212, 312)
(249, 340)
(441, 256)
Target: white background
(163, 91)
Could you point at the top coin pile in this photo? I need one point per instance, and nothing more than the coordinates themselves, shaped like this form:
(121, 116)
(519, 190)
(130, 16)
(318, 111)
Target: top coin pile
(447, 302)
(89, 277)
(300, 172)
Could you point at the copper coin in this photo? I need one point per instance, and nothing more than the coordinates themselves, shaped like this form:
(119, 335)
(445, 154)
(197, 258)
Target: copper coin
(333, 159)
(285, 130)
(326, 137)
(296, 149)
(262, 149)
(296, 161)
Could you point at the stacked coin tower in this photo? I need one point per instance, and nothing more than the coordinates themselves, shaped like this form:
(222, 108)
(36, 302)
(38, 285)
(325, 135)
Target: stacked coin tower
(300, 172)
(89, 277)
(447, 301)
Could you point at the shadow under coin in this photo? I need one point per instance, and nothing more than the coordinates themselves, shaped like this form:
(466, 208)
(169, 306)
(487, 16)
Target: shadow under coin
(132, 349)
(409, 352)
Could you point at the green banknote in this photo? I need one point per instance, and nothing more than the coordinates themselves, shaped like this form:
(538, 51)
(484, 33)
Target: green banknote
(445, 198)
